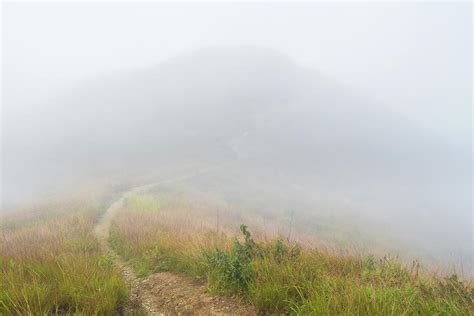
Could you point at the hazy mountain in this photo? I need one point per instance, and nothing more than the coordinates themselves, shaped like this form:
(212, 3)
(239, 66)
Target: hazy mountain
(258, 108)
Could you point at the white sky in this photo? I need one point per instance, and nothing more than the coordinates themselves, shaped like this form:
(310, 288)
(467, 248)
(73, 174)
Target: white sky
(413, 57)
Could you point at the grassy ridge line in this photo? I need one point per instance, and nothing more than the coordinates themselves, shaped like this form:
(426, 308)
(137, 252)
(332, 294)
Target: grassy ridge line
(53, 264)
(276, 277)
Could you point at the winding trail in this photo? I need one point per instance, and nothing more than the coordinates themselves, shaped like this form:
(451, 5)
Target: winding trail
(165, 293)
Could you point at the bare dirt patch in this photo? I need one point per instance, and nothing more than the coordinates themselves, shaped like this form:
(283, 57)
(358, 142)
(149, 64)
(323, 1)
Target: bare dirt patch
(175, 294)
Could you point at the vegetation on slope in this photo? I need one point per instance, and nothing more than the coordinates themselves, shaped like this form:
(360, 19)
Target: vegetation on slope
(52, 264)
(278, 277)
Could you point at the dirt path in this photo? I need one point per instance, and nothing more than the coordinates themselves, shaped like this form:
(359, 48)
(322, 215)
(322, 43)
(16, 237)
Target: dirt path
(165, 293)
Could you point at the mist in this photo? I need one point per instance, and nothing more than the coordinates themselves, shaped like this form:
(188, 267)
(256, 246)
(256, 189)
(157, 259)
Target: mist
(356, 112)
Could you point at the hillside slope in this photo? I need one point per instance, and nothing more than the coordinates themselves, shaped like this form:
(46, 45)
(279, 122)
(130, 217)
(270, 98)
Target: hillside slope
(259, 109)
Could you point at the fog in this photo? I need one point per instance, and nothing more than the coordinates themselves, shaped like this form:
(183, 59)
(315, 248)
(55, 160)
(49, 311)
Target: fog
(361, 112)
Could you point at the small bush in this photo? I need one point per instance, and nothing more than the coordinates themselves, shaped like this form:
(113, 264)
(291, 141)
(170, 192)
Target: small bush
(231, 270)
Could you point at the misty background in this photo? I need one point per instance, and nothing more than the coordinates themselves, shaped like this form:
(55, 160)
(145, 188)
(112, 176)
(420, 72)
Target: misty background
(361, 112)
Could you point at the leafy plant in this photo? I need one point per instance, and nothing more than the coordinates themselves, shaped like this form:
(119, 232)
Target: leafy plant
(234, 266)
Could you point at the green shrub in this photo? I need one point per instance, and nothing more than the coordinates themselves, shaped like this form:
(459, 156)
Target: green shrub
(231, 270)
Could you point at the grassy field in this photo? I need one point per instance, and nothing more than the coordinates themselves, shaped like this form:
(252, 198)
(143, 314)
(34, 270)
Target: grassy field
(50, 263)
(276, 276)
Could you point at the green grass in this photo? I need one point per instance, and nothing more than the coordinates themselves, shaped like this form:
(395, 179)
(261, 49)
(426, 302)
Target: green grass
(52, 264)
(144, 202)
(277, 277)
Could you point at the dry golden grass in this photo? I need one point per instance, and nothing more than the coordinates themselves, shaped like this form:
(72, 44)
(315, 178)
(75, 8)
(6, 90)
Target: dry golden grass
(50, 263)
(150, 233)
